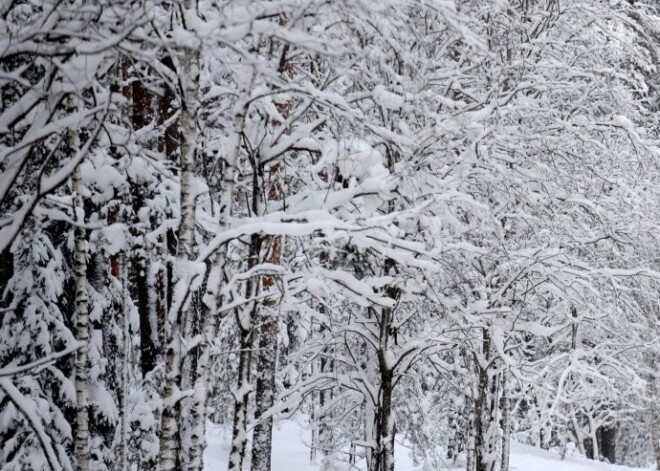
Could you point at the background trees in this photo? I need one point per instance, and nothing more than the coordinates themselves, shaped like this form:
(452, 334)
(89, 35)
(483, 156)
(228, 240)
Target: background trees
(431, 220)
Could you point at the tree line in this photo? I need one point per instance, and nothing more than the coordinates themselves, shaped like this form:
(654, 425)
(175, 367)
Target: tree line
(428, 220)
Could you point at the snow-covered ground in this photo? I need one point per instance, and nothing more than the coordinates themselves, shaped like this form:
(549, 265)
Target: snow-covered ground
(290, 453)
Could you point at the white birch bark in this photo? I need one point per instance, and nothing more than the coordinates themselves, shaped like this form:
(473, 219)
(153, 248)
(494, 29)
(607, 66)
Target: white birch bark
(211, 298)
(472, 442)
(241, 395)
(244, 315)
(210, 319)
(201, 381)
(188, 71)
(594, 438)
(655, 421)
(81, 440)
(506, 423)
(370, 432)
(189, 76)
(122, 462)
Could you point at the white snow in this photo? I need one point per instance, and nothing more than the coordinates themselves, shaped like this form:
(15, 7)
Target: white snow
(387, 99)
(291, 453)
(529, 458)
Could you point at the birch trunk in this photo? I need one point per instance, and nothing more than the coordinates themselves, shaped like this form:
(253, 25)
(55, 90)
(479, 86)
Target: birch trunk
(486, 408)
(188, 72)
(118, 271)
(387, 426)
(242, 388)
(370, 429)
(322, 432)
(209, 315)
(241, 402)
(244, 318)
(480, 452)
(506, 423)
(595, 449)
(81, 440)
(472, 442)
(123, 399)
(655, 413)
(201, 384)
(655, 422)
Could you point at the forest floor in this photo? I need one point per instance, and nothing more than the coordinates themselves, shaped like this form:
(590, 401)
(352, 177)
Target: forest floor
(291, 453)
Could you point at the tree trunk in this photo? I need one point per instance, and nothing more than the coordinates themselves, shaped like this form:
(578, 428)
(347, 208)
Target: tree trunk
(169, 459)
(506, 423)
(593, 440)
(655, 416)
(607, 442)
(268, 331)
(370, 431)
(487, 434)
(148, 334)
(118, 262)
(322, 431)
(188, 72)
(265, 389)
(81, 440)
(387, 429)
(210, 325)
(243, 315)
(655, 422)
(244, 319)
(241, 402)
(577, 431)
(472, 442)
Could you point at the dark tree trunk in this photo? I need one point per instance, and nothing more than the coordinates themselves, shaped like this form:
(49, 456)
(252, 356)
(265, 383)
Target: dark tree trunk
(268, 331)
(241, 404)
(588, 448)
(265, 391)
(387, 427)
(607, 443)
(244, 319)
(486, 405)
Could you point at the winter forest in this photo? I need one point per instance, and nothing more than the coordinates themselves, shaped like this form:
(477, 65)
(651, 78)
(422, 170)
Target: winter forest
(430, 222)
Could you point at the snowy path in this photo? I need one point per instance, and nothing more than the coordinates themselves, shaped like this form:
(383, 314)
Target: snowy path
(290, 453)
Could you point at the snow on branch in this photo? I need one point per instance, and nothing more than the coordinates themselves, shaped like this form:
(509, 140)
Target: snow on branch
(27, 409)
(14, 370)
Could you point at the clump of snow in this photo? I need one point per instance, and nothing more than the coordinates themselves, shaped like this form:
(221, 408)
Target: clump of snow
(355, 159)
(138, 170)
(103, 402)
(101, 177)
(360, 160)
(115, 237)
(385, 98)
(141, 412)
